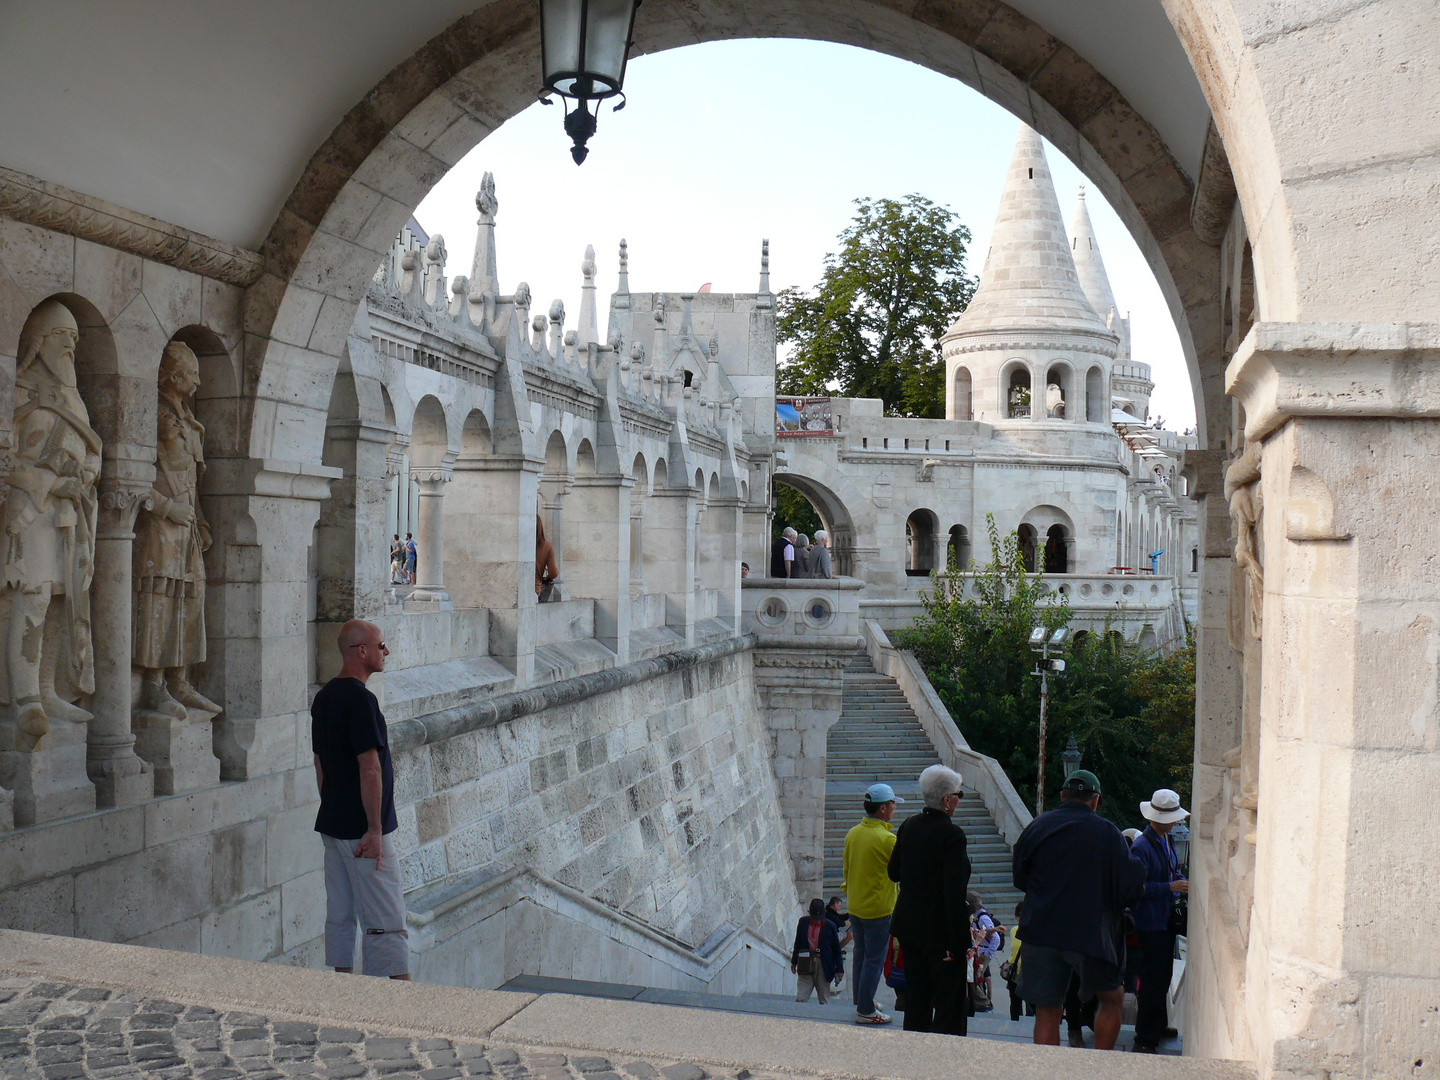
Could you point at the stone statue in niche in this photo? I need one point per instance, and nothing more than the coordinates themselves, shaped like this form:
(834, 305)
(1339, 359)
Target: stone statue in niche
(170, 542)
(49, 532)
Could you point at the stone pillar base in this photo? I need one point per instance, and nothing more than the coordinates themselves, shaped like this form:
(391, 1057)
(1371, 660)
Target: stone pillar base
(428, 599)
(181, 751)
(49, 782)
(122, 781)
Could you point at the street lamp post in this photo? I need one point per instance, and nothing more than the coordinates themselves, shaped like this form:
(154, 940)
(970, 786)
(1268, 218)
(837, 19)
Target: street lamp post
(584, 45)
(1071, 758)
(1042, 641)
(1180, 837)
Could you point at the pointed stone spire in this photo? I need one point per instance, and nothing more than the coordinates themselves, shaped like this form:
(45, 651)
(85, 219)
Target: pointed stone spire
(484, 277)
(1029, 281)
(1088, 265)
(589, 329)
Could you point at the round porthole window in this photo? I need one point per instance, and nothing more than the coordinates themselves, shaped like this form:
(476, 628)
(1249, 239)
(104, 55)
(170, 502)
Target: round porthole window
(772, 611)
(818, 612)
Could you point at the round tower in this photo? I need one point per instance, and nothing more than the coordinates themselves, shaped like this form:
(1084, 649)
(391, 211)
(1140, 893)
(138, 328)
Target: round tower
(1030, 347)
(1130, 388)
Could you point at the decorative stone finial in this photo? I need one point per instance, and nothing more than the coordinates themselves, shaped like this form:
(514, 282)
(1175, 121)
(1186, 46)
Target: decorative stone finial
(522, 294)
(587, 266)
(715, 343)
(485, 200)
(624, 285)
(764, 266)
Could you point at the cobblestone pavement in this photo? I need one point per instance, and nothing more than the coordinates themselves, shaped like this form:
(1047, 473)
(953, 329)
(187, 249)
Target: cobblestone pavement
(60, 1031)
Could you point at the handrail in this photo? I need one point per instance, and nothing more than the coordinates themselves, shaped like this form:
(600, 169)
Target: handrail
(979, 771)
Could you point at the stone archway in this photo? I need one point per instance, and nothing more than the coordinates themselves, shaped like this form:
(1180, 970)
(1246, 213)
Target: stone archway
(432, 108)
(847, 553)
(1308, 268)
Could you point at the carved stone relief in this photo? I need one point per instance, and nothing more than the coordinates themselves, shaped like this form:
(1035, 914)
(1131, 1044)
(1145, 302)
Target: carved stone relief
(50, 518)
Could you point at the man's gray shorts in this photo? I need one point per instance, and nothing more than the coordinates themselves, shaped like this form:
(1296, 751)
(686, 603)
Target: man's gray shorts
(358, 895)
(1045, 975)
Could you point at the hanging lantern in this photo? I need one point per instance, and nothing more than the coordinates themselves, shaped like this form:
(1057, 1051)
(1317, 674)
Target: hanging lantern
(584, 45)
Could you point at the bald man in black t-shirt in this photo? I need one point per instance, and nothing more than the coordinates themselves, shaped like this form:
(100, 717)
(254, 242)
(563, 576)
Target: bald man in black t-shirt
(357, 813)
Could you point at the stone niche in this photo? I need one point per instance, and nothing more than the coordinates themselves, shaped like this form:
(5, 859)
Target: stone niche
(103, 602)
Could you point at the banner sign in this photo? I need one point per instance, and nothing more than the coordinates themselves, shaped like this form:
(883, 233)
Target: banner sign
(796, 417)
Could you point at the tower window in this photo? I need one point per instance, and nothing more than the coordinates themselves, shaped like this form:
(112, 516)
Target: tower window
(1032, 173)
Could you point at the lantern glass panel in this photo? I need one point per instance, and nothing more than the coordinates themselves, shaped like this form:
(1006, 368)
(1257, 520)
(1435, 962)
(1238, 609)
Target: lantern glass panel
(560, 28)
(607, 34)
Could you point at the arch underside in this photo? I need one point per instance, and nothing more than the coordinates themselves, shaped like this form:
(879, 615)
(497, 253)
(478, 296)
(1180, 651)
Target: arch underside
(441, 102)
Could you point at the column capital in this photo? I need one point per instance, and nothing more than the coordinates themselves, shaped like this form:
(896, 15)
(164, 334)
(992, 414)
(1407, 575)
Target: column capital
(120, 503)
(432, 481)
(1284, 371)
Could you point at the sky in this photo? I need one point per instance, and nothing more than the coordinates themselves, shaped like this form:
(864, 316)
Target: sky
(725, 144)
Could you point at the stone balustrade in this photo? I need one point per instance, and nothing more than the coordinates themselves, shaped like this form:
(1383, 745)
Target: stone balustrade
(785, 610)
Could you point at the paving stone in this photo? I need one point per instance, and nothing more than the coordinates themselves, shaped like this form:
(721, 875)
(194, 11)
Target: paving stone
(497, 1057)
(287, 1032)
(340, 1035)
(591, 1064)
(641, 1071)
(683, 1071)
(57, 1038)
(441, 1074)
(343, 1070)
(90, 994)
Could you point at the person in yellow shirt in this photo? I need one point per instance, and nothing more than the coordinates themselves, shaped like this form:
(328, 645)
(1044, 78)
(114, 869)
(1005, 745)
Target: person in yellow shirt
(1012, 981)
(870, 897)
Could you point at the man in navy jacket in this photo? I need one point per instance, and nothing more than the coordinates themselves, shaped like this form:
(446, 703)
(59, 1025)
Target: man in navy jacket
(816, 939)
(1163, 882)
(1078, 876)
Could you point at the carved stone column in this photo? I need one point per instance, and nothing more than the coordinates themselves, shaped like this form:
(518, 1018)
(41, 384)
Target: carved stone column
(430, 591)
(120, 776)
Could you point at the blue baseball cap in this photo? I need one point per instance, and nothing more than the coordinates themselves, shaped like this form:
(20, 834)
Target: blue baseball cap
(881, 793)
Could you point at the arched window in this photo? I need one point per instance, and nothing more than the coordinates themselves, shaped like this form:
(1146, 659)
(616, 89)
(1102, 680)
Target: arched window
(1095, 403)
(1027, 547)
(1194, 560)
(1017, 393)
(959, 552)
(963, 389)
(1058, 392)
(920, 528)
(1057, 550)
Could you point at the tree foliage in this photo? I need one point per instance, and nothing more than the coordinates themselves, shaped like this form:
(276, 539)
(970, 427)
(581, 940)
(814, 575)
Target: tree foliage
(875, 320)
(1131, 713)
(794, 510)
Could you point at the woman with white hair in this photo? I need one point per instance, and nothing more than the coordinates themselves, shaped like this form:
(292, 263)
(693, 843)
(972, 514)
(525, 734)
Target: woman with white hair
(932, 918)
(1153, 923)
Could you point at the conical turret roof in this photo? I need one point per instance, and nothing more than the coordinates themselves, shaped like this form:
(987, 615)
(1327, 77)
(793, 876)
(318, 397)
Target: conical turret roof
(1029, 282)
(1088, 264)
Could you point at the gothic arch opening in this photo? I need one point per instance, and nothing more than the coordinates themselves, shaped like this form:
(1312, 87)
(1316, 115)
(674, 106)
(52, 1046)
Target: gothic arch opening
(833, 514)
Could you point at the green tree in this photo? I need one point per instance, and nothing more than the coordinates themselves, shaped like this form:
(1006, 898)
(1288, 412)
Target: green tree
(1132, 714)
(794, 510)
(875, 320)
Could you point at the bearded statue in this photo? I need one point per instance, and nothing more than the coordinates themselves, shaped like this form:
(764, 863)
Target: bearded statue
(50, 513)
(170, 541)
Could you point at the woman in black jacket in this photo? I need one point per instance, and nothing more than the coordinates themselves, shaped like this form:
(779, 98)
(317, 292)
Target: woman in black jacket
(816, 959)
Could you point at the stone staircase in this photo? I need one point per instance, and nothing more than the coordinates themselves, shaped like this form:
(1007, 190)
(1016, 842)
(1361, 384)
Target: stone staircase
(878, 737)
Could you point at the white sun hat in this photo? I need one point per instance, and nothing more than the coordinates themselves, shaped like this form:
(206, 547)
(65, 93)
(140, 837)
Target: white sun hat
(1164, 807)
